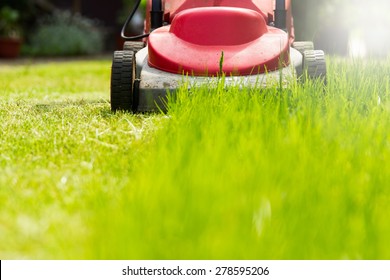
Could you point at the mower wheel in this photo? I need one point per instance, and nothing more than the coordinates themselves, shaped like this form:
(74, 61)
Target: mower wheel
(133, 46)
(314, 65)
(303, 46)
(122, 81)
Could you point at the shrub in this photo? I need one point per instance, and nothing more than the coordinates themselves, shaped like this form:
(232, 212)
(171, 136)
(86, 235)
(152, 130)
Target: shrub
(9, 22)
(65, 34)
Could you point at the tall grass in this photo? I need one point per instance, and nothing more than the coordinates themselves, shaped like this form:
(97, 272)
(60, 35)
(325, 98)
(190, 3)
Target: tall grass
(300, 173)
(229, 173)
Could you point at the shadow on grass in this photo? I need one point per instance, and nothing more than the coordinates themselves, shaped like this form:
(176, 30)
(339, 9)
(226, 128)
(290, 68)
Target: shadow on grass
(68, 103)
(99, 107)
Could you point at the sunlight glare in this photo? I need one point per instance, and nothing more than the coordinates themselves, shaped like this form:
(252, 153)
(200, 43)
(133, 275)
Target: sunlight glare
(357, 47)
(369, 23)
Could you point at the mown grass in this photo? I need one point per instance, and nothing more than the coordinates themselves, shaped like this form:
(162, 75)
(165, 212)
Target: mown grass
(298, 173)
(60, 150)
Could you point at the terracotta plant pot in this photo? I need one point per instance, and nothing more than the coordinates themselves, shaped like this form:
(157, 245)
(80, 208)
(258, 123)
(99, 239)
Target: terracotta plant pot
(10, 47)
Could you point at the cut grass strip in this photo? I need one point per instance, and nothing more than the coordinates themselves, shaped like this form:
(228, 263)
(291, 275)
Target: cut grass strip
(61, 152)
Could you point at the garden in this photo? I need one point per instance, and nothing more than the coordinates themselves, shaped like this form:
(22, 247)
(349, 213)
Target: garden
(228, 172)
(293, 173)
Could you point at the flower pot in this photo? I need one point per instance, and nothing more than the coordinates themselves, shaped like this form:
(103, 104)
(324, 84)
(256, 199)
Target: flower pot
(10, 47)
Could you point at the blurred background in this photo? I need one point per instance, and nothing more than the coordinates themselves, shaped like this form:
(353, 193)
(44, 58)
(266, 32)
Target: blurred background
(87, 27)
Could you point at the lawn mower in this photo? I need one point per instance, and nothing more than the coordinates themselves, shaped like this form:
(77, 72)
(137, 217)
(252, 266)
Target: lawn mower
(247, 41)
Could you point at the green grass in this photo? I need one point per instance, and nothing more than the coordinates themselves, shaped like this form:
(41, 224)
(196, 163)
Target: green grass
(300, 173)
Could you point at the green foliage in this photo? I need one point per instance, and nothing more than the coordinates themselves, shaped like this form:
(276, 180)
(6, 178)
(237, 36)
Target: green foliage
(65, 34)
(9, 22)
(127, 6)
(229, 173)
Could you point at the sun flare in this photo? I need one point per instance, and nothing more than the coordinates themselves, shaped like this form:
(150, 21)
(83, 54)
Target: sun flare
(369, 25)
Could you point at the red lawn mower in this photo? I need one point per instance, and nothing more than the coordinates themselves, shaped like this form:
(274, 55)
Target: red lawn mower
(247, 40)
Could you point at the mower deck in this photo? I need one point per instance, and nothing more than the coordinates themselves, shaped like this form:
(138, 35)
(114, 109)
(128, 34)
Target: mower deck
(154, 84)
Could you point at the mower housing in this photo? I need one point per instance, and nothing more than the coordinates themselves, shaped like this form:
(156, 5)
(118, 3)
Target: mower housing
(200, 41)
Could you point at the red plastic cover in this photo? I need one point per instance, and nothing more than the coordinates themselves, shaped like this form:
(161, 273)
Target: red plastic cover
(264, 7)
(196, 38)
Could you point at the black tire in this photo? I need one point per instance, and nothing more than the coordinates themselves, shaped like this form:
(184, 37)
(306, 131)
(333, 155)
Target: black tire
(122, 80)
(133, 46)
(303, 46)
(314, 65)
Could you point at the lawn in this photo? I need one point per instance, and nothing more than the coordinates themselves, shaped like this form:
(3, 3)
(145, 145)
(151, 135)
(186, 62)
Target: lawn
(294, 173)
